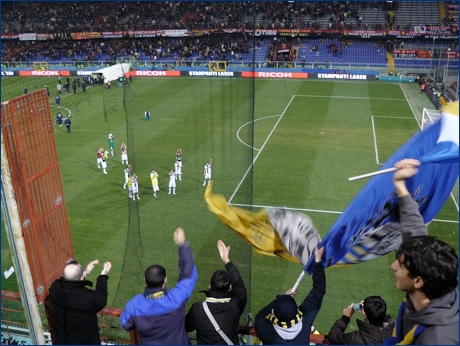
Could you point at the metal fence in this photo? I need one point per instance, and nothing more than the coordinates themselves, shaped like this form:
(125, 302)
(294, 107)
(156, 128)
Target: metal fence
(14, 326)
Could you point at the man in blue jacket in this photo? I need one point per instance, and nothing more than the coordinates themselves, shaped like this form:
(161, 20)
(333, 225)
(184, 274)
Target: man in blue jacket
(159, 314)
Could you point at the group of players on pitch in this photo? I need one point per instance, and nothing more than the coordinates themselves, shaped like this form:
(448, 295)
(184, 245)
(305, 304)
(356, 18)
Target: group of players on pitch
(131, 179)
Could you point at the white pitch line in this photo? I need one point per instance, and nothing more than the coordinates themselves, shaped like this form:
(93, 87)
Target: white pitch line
(407, 100)
(375, 134)
(386, 116)
(260, 150)
(352, 97)
(315, 210)
(68, 110)
(450, 221)
(301, 209)
(249, 122)
(453, 199)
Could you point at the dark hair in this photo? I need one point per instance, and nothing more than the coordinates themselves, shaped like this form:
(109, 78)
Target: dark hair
(155, 276)
(220, 281)
(433, 260)
(375, 309)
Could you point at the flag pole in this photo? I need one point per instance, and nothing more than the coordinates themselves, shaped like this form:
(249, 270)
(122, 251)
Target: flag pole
(392, 169)
(296, 285)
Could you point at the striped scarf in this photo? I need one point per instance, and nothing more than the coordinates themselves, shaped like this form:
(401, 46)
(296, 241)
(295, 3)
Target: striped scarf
(286, 325)
(398, 337)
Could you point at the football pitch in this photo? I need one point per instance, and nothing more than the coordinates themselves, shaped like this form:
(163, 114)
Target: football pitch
(273, 143)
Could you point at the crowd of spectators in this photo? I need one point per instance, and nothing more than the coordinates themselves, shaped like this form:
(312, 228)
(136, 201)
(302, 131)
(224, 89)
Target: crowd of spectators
(49, 17)
(342, 15)
(187, 50)
(65, 17)
(151, 49)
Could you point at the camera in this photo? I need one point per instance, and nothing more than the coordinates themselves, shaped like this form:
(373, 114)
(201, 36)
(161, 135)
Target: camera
(357, 306)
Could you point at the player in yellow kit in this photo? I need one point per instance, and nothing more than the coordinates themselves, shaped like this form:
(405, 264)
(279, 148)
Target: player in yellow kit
(154, 179)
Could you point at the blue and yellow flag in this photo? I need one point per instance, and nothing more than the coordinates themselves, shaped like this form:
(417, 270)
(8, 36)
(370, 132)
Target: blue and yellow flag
(369, 226)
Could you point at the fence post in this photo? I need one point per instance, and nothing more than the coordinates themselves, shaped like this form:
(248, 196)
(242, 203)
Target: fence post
(19, 253)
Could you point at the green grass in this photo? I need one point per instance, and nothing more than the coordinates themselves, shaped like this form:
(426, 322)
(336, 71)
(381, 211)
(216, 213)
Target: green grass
(309, 137)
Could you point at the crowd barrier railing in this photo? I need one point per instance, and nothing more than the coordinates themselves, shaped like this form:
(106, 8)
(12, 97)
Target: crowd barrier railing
(15, 330)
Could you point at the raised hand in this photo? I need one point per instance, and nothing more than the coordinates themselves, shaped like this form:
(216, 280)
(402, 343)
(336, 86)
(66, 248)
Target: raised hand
(179, 236)
(106, 269)
(90, 267)
(223, 251)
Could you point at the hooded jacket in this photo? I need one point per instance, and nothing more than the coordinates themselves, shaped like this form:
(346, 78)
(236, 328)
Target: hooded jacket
(74, 308)
(226, 307)
(368, 334)
(299, 334)
(440, 318)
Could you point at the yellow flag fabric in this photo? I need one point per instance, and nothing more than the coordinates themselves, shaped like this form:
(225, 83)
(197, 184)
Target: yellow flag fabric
(255, 228)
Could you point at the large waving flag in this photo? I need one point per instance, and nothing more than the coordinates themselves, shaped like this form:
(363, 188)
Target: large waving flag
(273, 231)
(369, 226)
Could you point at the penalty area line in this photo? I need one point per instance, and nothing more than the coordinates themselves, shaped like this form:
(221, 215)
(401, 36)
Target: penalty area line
(299, 209)
(260, 150)
(352, 97)
(316, 210)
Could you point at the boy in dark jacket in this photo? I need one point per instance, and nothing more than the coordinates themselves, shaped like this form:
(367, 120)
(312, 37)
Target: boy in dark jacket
(374, 330)
(283, 322)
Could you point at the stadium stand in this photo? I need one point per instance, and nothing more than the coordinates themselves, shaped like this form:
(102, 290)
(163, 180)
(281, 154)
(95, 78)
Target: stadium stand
(331, 49)
(190, 49)
(47, 17)
(410, 13)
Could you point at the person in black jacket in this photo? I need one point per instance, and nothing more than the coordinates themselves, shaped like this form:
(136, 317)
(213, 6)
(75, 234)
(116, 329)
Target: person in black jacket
(226, 299)
(67, 123)
(74, 307)
(376, 327)
(283, 322)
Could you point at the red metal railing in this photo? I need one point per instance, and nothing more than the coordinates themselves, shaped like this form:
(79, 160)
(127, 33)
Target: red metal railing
(14, 323)
(109, 322)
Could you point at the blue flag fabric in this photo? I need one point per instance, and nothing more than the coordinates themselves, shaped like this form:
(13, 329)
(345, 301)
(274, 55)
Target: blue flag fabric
(369, 226)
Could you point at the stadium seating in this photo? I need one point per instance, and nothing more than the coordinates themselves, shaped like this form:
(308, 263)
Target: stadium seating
(410, 14)
(48, 17)
(44, 17)
(355, 52)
